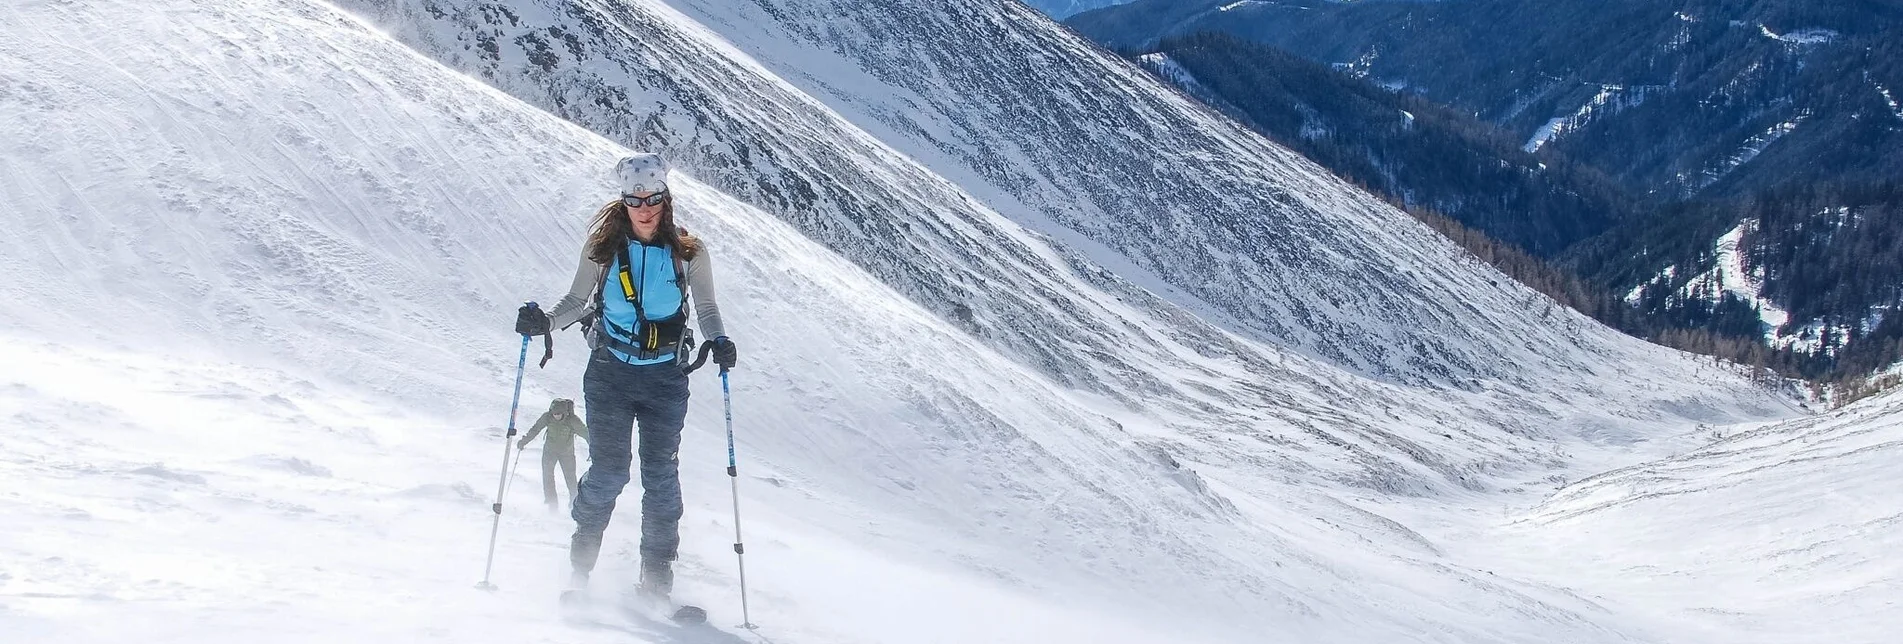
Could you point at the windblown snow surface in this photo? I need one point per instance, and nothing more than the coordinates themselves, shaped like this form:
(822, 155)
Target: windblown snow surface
(1778, 533)
(256, 321)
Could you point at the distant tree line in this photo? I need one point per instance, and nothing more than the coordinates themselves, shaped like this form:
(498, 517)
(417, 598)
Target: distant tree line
(1403, 145)
(1688, 84)
(1725, 327)
(1827, 252)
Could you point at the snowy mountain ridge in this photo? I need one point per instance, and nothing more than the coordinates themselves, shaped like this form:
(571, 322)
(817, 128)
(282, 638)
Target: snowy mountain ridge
(309, 345)
(1159, 177)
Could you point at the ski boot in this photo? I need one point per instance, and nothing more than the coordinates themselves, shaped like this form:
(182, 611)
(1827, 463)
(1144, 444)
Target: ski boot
(657, 581)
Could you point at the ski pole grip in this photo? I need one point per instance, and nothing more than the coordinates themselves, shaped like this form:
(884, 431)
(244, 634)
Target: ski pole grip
(531, 321)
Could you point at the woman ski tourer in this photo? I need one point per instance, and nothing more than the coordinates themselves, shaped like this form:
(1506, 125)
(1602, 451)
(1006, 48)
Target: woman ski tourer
(639, 276)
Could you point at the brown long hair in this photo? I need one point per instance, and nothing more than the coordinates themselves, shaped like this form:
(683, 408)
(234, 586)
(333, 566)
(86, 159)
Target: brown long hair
(611, 231)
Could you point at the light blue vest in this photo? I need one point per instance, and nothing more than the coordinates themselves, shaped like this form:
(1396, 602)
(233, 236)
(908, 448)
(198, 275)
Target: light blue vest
(651, 269)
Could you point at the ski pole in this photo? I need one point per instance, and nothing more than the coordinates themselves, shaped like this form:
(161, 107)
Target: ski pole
(733, 475)
(502, 485)
(530, 322)
(513, 468)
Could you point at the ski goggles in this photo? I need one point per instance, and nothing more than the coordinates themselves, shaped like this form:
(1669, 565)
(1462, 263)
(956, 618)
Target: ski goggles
(655, 199)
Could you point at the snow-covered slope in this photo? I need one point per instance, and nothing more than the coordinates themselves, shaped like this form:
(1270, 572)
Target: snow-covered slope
(809, 110)
(258, 307)
(904, 157)
(865, 123)
(272, 183)
(1786, 532)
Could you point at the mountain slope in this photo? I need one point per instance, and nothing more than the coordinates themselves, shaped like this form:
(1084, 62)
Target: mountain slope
(706, 93)
(275, 254)
(1739, 103)
(1283, 266)
(765, 99)
(1707, 97)
(1795, 523)
(1402, 146)
(1809, 271)
(315, 210)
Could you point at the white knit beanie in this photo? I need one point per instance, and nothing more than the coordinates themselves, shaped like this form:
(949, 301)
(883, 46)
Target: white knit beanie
(641, 172)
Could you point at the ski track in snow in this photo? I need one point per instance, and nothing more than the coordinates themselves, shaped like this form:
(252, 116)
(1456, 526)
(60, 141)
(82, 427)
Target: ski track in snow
(279, 251)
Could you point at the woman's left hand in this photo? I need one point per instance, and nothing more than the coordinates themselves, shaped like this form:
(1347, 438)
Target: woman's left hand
(725, 353)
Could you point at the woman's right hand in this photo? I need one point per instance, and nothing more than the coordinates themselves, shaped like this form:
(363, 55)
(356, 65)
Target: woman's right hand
(530, 320)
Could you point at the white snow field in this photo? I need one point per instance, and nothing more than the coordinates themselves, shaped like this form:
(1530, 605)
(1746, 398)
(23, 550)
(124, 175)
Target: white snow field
(1788, 532)
(255, 322)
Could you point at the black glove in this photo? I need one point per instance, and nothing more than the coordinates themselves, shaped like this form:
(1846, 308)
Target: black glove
(725, 353)
(530, 320)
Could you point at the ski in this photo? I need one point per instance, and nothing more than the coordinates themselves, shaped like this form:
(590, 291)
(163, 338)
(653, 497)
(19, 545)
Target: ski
(689, 615)
(575, 601)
